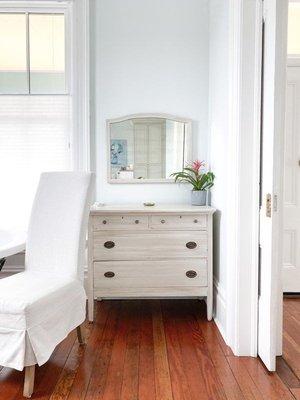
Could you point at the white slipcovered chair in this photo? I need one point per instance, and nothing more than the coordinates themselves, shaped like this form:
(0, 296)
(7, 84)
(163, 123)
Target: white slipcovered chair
(39, 307)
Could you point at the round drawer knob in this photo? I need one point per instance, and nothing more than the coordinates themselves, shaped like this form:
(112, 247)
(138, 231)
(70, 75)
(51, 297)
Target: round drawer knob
(195, 221)
(136, 221)
(191, 245)
(191, 274)
(109, 245)
(109, 274)
(163, 221)
(104, 222)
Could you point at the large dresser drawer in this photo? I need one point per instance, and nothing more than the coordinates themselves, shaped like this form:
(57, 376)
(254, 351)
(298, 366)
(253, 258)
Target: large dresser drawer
(150, 274)
(119, 222)
(178, 222)
(149, 245)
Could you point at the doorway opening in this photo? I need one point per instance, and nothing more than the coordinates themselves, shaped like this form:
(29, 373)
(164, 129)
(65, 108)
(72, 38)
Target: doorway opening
(288, 366)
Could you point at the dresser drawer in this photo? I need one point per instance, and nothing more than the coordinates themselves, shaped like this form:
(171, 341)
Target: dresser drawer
(178, 222)
(149, 245)
(150, 274)
(119, 222)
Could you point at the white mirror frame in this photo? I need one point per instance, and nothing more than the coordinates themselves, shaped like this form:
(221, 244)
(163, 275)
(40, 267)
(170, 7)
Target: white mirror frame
(187, 145)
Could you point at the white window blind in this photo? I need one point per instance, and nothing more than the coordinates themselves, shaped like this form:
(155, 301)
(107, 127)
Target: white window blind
(36, 113)
(34, 137)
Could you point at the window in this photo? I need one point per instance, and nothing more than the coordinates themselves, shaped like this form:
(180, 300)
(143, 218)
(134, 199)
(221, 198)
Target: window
(32, 53)
(36, 104)
(294, 29)
(13, 75)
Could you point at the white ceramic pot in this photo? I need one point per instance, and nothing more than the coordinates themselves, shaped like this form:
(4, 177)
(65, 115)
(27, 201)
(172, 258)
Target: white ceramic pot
(198, 197)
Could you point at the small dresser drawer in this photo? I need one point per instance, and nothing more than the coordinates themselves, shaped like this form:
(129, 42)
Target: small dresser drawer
(150, 274)
(119, 222)
(149, 246)
(178, 222)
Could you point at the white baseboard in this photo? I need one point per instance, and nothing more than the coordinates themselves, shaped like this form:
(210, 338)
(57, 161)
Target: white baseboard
(220, 308)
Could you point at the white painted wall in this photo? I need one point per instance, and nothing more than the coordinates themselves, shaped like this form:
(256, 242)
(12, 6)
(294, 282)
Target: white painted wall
(148, 56)
(218, 145)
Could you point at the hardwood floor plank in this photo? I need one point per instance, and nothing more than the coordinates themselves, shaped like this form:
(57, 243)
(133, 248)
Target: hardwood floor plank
(113, 386)
(291, 353)
(130, 383)
(211, 379)
(296, 393)
(92, 350)
(286, 374)
(102, 354)
(225, 374)
(163, 386)
(11, 382)
(246, 383)
(291, 334)
(146, 358)
(178, 372)
(195, 377)
(292, 305)
(201, 314)
(67, 376)
(268, 383)
(291, 326)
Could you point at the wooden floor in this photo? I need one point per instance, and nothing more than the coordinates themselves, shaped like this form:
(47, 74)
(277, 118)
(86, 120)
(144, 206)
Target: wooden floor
(291, 343)
(150, 350)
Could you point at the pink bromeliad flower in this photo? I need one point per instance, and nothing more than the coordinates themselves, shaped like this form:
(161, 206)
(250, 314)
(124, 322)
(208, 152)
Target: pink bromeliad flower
(197, 164)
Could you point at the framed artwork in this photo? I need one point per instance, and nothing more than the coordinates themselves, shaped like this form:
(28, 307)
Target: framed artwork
(118, 152)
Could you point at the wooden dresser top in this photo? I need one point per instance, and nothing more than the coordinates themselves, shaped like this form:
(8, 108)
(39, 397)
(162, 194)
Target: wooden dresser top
(157, 209)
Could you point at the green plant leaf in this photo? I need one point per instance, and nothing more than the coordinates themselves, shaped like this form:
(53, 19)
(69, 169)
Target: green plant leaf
(199, 181)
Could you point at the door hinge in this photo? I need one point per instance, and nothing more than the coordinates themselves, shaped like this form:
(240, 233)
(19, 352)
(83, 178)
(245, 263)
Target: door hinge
(268, 205)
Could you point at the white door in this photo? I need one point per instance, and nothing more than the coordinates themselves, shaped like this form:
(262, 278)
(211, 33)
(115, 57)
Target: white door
(291, 218)
(273, 114)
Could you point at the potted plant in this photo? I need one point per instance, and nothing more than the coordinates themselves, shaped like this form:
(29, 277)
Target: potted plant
(200, 180)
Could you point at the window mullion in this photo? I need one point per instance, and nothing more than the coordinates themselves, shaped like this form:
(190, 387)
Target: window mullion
(28, 53)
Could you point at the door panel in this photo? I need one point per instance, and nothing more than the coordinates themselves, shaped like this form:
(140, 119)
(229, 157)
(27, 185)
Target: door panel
(291, 225)
(273, 117)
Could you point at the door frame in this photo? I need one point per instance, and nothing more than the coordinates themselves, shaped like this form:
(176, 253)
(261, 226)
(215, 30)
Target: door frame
(245, 127)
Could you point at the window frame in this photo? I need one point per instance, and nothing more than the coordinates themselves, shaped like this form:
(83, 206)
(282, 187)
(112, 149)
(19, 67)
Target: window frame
(77, 14)
(293, 60)
(45, 9)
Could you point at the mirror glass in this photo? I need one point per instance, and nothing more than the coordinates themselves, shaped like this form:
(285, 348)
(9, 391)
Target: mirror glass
(148, 148)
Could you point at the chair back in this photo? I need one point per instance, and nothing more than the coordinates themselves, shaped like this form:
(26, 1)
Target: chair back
(58, 224)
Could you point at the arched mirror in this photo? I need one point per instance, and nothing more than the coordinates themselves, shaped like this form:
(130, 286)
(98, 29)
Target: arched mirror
(147, 148)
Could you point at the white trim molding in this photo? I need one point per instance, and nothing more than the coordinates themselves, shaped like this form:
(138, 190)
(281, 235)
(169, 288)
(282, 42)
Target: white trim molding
(243, 196)
(219, 307)
(81, 85)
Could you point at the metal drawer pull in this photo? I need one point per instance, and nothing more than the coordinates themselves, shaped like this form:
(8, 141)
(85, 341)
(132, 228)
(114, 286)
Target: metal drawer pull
(109, 245)
(195, 221)
(136, 221)
(191, 274)
(109, 274)
(191, 245)
(104, 222)
(162, 221)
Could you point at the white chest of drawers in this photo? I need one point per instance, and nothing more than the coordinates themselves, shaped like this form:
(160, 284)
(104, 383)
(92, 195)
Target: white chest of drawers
(148, 252)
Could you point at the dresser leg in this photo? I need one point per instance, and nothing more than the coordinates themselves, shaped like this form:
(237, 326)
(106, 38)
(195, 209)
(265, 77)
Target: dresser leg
(209, 308)
(91, 309)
